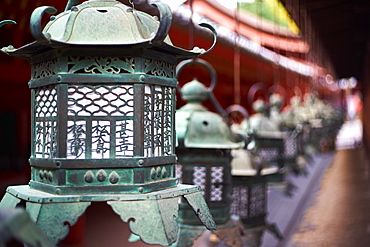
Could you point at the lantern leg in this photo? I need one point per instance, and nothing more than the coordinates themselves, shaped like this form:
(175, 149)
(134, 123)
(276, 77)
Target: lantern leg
(153, 220)
(55, 219)
(52, 214)
(151, 216)
(199, 205)
(189, 233)
(272, 227)
(9, 201)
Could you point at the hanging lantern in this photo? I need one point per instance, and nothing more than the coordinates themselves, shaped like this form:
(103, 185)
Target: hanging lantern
(103, 103)
(268, 140)
(204, 145)
(250, 176)
(294, 159)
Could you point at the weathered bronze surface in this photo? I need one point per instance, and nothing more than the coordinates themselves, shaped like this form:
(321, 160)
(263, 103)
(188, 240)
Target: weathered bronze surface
(204, 143)
(103, 103)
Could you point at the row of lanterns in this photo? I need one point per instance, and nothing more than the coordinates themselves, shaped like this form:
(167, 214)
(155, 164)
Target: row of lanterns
(208, 152)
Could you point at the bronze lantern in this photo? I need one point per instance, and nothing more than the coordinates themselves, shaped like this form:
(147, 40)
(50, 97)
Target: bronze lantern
(103, 104)
(204, 144)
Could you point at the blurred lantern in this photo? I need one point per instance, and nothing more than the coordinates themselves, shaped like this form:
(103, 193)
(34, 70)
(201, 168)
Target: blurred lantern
(250, 175)
(204, 145)
(268, 139)
(103, 103)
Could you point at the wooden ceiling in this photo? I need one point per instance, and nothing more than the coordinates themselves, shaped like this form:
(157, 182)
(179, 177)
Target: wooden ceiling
(337, 29)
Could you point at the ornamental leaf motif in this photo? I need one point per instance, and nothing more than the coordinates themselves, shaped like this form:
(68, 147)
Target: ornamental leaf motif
(149, 65)
(127, 65)
(80, 64)
(101, 65)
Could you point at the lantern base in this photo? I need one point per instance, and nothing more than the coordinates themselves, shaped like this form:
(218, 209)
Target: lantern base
(155, 214)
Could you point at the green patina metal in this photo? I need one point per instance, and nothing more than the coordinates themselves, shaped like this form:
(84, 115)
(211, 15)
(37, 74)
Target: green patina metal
(17, 225)
(204, 144)
(103, 104)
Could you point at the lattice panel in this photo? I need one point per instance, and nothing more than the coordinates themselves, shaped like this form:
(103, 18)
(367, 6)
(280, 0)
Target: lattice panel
(100, 121)
(291, 146)
(199, 177)
(45, 129)
(270, 155)
(46, 102)
(239, 205)
(101, 100)
(158, 112)
(217, 175)
(257, 200)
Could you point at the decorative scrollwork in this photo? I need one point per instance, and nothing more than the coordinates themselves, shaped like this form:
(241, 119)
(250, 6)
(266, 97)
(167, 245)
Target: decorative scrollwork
(45, 69)
(159, 68)
(100, 65)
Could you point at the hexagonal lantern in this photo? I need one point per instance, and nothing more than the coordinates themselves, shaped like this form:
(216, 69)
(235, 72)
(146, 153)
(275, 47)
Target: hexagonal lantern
(250, 176)
(204, 146)
(103, 103)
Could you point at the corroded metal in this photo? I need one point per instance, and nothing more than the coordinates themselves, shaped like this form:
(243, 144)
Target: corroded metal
(4, 22)
(251, 169)
(16, 225)
(158, 225)
(204, 142)
(103, 109)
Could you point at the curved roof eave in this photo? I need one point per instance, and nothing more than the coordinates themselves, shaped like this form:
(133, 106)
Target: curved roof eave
(183, 14)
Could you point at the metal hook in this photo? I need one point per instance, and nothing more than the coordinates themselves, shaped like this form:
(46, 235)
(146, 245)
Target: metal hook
(210, 89)
(2, 23)
(237, 108)
(254, 89)
(36, 18)
(132, 4)
(165, 16)
(214, 32)
(205, 64)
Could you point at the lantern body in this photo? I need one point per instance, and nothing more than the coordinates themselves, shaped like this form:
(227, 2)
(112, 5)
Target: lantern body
(102, 121)
(249, 199)
(103, 101)
(204, 145)
(209, 169)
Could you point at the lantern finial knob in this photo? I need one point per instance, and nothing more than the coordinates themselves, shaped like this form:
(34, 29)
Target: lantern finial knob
(194, 92)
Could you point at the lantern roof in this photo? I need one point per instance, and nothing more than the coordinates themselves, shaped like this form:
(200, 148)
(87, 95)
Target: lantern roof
(104, 23)
(200, 128)
(196, 127)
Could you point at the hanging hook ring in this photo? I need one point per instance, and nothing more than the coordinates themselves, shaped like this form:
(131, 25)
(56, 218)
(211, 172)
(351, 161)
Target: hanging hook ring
(254, 89)
(2, 23)
(211, 70)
